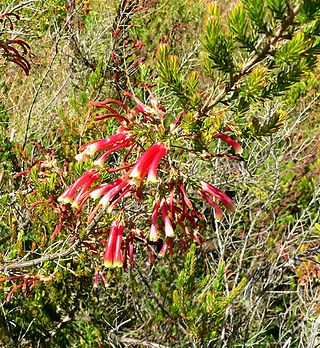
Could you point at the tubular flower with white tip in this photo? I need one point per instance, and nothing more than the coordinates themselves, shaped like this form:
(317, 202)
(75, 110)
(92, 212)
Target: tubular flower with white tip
(154, 226)
(112, 256)
(208, 189)
(148, 164)
(89, 149)
(68, 195)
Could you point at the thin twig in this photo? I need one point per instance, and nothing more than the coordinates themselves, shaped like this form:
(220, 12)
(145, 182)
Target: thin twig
(140, 342)
(40, 260)
(21, 5)
(35, 98)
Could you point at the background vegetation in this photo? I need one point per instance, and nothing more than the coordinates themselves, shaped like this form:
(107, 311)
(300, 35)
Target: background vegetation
(253, 281)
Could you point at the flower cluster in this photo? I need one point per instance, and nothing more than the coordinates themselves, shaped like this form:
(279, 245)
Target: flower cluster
(172, 212)
(109, 145)
(176, 212)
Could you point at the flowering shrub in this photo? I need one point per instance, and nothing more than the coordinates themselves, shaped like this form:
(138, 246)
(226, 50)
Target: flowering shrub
(155, 175)
(156, 172)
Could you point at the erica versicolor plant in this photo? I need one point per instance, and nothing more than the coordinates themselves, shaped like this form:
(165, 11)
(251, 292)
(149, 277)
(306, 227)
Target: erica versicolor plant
(149, 174)
(140, 179)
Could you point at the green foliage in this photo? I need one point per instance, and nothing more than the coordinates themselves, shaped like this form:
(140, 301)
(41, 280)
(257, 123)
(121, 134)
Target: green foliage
(309, 10)
(169, 69)
(256, 11)
(269, 127)
(186, 88)
(292, 50)
(260, 51)
(253, 86)
(277, 7)
(215, 41)
(6, 153)
(202, 302)
(240, 26)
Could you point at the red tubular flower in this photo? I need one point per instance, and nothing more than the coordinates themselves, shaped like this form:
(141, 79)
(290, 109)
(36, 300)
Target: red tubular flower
(219, 195)
(108, 255)
(103, 189)
(106, 199)
(235, 145)
(83, 193)
(113, 255)
(141, 167)
(118, 259)
(154, 226)
(96, 279)
(217, 211)
(104, 280)
(184, 197)
(168, 229)
(102, 158)
(152, 173)
(68, 195)
(166, 244)
(91, 148)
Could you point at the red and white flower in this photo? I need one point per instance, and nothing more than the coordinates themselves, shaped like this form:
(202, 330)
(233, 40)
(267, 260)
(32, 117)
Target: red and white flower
(113, 254)
(85, 180)
(208, 189)
(148, 164)
(234, 144)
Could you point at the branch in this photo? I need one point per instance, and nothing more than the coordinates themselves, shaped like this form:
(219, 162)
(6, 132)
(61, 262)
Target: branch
(143, 343)
(21, 5)
(30, 263)
(252, 62)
